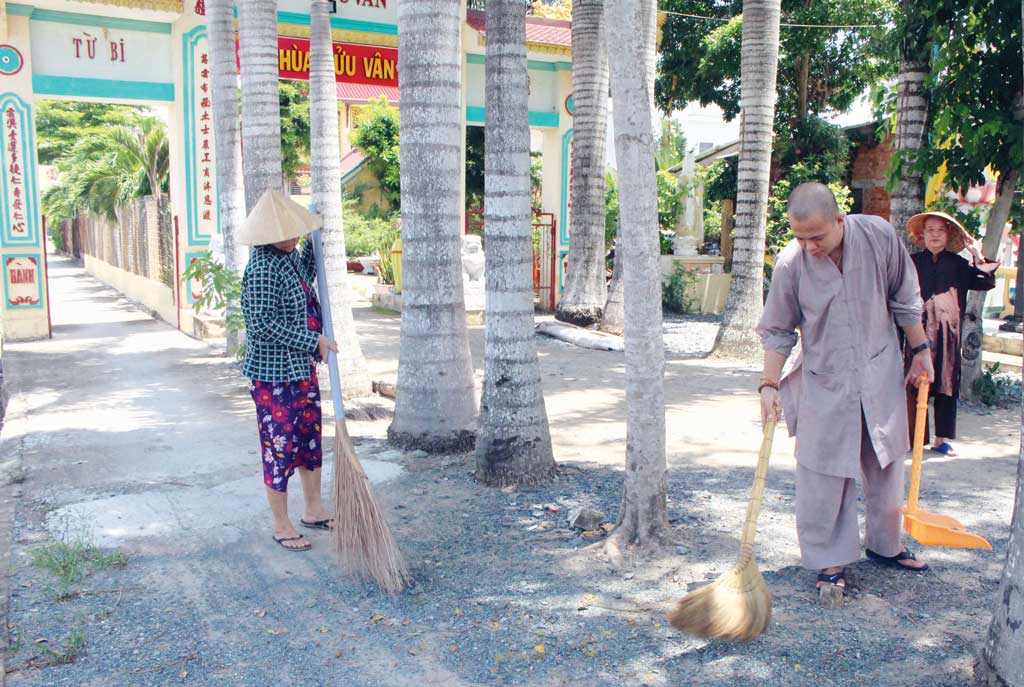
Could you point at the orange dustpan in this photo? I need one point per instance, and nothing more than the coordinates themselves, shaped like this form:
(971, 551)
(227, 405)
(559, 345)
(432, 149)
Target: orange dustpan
(932, 529)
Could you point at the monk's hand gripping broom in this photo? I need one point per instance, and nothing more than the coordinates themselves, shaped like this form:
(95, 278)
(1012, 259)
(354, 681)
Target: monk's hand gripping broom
(362, 537)
(737, 606)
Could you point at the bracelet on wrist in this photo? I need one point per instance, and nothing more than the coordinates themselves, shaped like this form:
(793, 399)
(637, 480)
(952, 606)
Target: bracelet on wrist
(918, 349)
(767, 383)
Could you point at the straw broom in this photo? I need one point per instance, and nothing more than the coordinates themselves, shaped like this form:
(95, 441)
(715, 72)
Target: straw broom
(736, 606)
(362, 537)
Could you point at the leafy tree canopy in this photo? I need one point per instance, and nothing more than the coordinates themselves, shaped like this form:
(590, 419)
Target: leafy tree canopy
(294, 126)
(61, 124)
(376, 134)
(819, 69)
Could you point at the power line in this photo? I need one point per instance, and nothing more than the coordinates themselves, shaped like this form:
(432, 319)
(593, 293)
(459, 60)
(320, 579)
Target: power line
(800, 26)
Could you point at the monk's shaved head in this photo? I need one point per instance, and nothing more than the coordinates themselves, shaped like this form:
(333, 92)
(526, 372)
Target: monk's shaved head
(811, 200)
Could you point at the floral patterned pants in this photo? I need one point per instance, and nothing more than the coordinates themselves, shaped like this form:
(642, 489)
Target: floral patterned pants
(289, 419)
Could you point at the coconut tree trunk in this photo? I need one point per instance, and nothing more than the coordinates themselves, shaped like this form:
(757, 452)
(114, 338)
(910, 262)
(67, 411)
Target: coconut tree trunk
(1002, 660)
(971, 330)
(642, 524)
(758, 69)
(220, 25)
(326, 163)
(911, 117)
(614, 315)
(585, 292)
(513, 443)
(261, 101)
(436, 406)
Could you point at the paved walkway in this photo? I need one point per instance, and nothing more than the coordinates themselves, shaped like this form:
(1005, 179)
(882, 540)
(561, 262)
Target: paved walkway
(139, 437)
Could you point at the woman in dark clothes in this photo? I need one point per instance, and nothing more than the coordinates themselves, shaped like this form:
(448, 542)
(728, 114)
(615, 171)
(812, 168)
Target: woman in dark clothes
(945, 279)
(283, 345)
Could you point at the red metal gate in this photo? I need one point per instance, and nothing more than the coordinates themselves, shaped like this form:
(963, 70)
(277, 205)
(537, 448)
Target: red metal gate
(545, 255)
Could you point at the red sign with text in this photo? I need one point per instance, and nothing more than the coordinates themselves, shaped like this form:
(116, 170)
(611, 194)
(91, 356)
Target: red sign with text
(365, 64)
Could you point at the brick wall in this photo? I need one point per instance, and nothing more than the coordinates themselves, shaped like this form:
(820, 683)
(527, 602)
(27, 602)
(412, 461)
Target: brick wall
(868, 175)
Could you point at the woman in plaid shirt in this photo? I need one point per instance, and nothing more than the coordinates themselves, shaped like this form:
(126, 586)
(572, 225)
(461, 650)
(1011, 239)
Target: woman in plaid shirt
(283, 344)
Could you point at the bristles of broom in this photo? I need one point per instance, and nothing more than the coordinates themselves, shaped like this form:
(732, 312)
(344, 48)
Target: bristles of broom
(362, 537)
(737, 606)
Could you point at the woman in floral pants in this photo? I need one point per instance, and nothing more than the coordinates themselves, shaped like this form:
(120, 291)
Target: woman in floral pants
(283, 344)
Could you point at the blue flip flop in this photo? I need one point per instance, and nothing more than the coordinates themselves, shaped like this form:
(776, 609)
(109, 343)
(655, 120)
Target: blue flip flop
(945, 448)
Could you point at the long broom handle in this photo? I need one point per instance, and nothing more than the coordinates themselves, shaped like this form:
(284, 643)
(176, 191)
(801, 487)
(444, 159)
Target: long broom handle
(325, 307)
(919, 422)
(754, 506)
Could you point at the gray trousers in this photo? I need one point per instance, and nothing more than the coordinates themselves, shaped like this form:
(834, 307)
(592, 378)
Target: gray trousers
(826, 511)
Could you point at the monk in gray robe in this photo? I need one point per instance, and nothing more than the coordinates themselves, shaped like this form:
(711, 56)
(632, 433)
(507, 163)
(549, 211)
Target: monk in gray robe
(842, 283)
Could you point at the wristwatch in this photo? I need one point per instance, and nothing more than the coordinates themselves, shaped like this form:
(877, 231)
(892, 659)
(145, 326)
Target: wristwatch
(917, 349)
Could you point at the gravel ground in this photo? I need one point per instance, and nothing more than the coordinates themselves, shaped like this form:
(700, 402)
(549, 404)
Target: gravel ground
(507, 594)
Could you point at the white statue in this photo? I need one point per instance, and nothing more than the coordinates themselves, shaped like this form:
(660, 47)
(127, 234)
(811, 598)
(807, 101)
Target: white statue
(473, 261)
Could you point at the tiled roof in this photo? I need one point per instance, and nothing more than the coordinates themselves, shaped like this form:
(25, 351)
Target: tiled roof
(363, 92)
(544, 31)
(351, 161)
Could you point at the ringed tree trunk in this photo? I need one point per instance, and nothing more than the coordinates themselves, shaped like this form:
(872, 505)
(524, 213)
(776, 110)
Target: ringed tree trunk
(1002, 659)
(613, 316)
(326, 163)
(220, 25)
(513, 443)
(642, 525)
(911, 117)
(758, 68)
(585, 291)
(261, 103)
(435, 408)
(971, 330)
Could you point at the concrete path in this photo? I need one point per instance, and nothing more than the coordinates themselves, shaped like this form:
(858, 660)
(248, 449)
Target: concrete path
(133, 428)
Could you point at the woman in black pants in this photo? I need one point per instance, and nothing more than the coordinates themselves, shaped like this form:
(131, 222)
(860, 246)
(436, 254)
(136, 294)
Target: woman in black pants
(945, 279)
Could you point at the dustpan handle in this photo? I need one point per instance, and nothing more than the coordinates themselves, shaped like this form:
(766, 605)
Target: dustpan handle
(325, 307)
(754, 506)
(920, 418)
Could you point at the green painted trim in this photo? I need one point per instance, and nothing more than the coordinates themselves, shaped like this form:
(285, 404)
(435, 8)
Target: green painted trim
(544, 119)
(533, 65)
(343, 24)
(16, 10)
(102, 88)
(354, 171)
(563, 229)
(103, 22)
(478, 115)
(189, 44)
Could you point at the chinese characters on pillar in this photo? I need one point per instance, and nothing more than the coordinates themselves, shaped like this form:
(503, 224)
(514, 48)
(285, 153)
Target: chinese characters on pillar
(201, 174)
(16, 196)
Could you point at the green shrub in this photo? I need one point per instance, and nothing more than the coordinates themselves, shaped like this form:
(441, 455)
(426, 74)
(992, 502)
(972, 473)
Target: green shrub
(386, 266)
(674, 296)
(363, 233)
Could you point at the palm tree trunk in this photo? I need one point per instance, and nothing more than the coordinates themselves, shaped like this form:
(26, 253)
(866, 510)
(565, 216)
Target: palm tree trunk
(435, 408)
(643, 520)
(220, 24)
(513, 443)
(911, 125)
(326, 164)
(614, 315)
(261, 101)
(758, 69)
(972, 334)
(585, 291)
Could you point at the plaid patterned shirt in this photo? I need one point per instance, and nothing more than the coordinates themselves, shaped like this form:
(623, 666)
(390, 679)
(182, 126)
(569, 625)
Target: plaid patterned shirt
(279, 344)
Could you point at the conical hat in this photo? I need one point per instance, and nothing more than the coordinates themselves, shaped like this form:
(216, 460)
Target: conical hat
(958, 236)
(275, 218)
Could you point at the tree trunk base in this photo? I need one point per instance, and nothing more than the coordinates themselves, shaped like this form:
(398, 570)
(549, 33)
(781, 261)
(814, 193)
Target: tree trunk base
(506, 469)
(625, 546)
(742, 346)
(581, 317)
(985, 676)
(459, 441)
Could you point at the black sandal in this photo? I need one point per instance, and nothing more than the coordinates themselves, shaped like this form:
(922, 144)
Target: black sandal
(894, 561)
(834, 579)
(319, 524)
(281, 541)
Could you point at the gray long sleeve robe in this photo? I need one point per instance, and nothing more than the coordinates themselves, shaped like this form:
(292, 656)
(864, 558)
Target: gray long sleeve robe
(850, 357)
